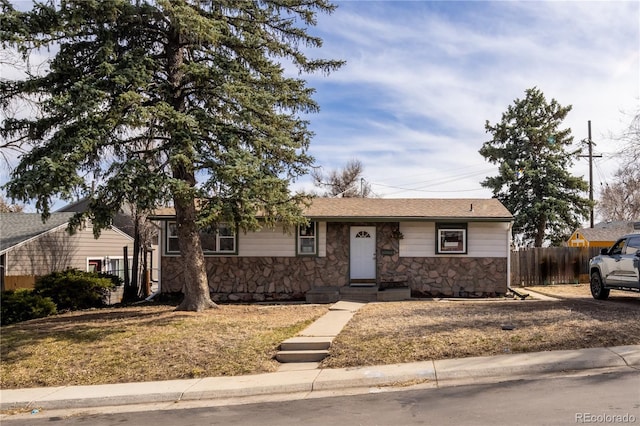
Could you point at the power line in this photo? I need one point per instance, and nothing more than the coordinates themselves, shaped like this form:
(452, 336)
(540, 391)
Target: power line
(442, 181)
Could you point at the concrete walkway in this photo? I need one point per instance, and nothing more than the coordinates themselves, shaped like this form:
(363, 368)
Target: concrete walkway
(311, 345)
(309, 381)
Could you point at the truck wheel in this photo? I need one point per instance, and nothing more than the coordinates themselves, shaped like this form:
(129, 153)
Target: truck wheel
(597, 287)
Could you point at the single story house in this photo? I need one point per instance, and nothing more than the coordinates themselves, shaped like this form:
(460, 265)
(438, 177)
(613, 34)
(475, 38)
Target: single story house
(30, 248)
(434, 247)
(603, 234)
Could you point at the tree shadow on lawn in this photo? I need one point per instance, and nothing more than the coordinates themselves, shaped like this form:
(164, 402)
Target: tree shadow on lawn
(87, 326)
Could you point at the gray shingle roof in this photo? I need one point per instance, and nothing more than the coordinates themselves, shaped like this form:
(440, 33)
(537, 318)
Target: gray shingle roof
(16, 228)
(606, 231)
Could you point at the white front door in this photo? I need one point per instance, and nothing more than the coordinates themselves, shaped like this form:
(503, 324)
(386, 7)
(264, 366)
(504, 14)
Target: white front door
(363, 253)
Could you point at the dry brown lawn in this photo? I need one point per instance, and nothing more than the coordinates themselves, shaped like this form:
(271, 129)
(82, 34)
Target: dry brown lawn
(158, 343)
(147, 343)
(388, 333)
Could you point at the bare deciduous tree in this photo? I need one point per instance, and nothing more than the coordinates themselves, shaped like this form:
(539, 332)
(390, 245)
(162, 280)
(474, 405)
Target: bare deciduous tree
(346, 183)
(621, 199)
(6, 207)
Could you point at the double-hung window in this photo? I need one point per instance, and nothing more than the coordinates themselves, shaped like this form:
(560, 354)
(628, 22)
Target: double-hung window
(218, 239)
(307, 239)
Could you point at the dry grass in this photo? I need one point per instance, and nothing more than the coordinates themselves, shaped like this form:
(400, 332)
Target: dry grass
(388, 333)
(147, 343)
(158, 343)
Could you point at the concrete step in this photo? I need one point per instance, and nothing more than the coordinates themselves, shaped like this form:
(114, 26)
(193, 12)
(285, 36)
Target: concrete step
(323, 295)
(301, 356)
(394, 294)
(306, 343)
(366, 294)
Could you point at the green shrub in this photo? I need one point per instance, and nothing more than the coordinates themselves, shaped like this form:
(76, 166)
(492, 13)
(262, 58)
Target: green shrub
(23, 304)
(73, 289)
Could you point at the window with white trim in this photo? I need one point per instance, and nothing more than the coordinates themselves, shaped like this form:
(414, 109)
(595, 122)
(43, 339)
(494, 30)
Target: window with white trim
(215, 240)
(451, 238)
(307, 241)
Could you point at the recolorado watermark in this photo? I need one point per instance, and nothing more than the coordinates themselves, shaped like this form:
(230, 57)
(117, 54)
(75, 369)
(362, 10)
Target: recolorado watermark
(605, 418)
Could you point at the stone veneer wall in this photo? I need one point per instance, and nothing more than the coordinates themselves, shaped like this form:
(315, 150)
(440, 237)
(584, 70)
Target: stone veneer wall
(450, 276)
(233, 278)
(289, 278)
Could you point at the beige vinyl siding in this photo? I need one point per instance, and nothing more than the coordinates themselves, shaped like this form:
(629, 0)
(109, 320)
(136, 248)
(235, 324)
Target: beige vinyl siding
(487, 239)
(267, 242)
(484, 239)
(110, 244)
(322, 239)
(276, 242)
(419, 239)
(57, 250)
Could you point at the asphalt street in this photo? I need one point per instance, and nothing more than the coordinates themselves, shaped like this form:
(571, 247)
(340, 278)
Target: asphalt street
(579, 398)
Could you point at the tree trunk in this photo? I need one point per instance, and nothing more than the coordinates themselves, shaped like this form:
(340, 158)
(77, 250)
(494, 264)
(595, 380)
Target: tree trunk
(542, 226)
(196, 285)
(132, 289)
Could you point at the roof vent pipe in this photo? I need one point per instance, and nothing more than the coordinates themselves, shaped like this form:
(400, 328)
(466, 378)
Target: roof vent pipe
(471, 208)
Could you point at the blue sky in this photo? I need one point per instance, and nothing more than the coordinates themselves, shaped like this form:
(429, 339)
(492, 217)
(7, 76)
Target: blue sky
(423, 76)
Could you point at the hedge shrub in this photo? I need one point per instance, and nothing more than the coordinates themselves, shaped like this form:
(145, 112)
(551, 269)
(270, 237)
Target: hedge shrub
(73, 289)
(24, 304)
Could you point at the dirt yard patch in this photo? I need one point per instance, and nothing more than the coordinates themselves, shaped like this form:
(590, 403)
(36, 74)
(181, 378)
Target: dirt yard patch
(388, 333)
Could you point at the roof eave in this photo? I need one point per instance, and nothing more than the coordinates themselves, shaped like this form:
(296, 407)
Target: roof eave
(409, 218)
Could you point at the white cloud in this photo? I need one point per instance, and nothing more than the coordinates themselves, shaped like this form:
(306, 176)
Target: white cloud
(428, 75)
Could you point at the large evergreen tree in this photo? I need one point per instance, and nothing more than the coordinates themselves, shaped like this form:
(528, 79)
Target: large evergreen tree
(167, 100)
(533, 154)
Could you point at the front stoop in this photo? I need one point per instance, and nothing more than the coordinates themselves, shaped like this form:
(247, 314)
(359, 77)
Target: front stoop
(324, 295)
(394, 294)
(358, 293)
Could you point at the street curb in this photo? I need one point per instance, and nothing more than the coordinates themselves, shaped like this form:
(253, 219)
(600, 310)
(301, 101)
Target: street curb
(441, 373)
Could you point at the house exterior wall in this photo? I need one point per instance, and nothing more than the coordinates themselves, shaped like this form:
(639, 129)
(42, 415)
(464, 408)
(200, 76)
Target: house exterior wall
(579, 240)
(268, 269)
(57, 250)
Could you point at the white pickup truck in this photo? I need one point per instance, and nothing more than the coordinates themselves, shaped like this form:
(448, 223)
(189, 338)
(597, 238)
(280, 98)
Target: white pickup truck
(616, 268)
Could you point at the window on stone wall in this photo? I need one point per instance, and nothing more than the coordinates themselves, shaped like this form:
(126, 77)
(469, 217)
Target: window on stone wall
(307, 241)
(451, 238)
(215, 240)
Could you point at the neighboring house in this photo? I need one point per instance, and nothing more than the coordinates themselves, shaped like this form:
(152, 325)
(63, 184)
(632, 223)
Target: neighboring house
(603, 234)
(435, 247)
(124, 221)
(30, 248)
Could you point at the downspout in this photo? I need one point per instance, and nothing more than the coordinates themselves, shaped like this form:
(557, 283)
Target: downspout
(511, 289)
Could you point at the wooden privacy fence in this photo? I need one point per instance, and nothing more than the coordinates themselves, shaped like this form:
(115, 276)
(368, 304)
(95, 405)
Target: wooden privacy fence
(551, 265)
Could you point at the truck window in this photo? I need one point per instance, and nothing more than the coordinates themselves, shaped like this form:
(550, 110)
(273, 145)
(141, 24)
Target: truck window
(617, 248)
(633, 246)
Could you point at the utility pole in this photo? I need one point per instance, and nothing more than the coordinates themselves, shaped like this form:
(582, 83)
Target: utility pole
(590, 142)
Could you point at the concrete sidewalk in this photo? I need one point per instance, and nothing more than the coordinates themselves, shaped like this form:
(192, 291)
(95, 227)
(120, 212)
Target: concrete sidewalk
(430, 373)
